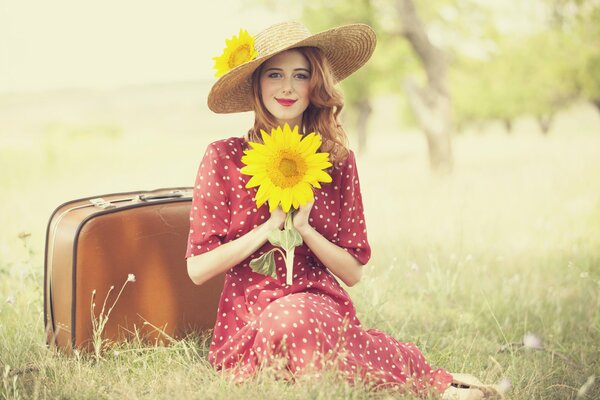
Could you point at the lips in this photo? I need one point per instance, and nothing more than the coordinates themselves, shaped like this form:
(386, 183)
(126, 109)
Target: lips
(285, 102)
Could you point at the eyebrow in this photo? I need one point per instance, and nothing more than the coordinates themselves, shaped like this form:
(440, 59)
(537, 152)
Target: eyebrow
(281, 69)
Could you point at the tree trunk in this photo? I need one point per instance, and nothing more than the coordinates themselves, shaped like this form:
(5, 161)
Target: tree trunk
(596, 103)
(434, 118)
(431, 103)
(545, 122)
(364, 109)
(507, 125)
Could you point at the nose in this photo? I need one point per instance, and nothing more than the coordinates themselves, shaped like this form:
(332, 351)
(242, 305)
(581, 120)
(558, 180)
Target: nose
(287, 85)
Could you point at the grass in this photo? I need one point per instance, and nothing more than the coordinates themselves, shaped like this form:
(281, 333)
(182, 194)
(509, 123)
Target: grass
(463, 266)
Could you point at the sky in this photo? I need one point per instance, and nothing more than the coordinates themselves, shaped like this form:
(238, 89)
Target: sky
(57, 44)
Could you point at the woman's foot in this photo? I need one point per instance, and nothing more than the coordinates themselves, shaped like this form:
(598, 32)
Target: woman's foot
(467, 382)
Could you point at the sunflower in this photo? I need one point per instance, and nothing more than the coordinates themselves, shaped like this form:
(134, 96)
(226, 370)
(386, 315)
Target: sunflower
(285, 166)
(239, 50)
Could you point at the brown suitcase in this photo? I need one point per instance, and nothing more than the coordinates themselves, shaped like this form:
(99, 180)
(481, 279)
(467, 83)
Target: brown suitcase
(95, 243)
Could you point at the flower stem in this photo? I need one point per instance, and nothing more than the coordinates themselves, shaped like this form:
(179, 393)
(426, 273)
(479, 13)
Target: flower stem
(289, 265)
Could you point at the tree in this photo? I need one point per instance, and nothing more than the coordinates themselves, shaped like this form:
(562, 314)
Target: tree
(358, 88)
(533, 75)
(431, 103)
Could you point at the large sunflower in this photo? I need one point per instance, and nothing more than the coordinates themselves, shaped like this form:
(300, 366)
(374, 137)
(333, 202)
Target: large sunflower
(285, 166)
(239, 50)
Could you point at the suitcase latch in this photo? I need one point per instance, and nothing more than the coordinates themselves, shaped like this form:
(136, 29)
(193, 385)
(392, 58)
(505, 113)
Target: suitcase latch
(101, 203)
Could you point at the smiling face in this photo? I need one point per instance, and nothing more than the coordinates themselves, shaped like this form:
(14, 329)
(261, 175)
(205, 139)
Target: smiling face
(284, 85)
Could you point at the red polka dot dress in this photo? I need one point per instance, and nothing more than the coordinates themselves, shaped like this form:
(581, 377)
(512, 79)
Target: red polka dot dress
(311, 323)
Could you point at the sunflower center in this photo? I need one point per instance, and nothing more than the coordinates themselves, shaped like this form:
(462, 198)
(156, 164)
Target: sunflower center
(239, 55)
(287, 169)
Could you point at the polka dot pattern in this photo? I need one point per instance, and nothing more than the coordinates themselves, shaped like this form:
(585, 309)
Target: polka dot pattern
(311, 324)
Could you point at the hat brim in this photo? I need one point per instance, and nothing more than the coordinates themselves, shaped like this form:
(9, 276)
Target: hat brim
(347, 48)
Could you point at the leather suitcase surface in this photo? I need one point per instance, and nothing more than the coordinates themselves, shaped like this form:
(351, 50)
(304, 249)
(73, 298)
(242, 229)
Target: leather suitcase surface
(93, 244)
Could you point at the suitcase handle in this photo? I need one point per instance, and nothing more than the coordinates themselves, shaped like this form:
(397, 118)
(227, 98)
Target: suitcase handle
(146, 197)
(104, 204)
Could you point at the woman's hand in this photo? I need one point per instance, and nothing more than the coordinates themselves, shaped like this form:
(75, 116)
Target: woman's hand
(301, 217)
(277, 218)
(335, 258)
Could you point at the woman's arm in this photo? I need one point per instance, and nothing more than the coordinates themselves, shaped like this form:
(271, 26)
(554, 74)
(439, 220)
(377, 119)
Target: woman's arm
(205, 266)
(334, 257)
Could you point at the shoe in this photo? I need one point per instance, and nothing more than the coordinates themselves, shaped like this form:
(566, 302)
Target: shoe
(454, 393)
(466, 381)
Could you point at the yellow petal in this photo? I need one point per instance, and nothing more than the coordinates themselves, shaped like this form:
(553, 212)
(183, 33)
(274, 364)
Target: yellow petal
(313, 145)
(261, 149)
(263, 192)
(277, 135)
(254, 181)
(286, 199)
(267, 139)
(275, 198)
(252, 169)
(323, 176)
(305, 142)
(303, 193)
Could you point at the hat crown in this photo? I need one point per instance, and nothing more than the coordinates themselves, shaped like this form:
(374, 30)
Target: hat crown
(279, 37)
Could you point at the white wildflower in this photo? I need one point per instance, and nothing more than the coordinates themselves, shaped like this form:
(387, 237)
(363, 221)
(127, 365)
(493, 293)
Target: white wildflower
(532, 341)
(10, 299)
(504, 385)
(414, 267)
(131, 278)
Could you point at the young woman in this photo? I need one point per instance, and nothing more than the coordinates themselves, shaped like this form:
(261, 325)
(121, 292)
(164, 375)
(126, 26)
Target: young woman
(288, 77)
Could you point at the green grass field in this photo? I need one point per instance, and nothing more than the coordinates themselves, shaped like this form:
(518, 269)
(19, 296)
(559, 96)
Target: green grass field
(464, 266)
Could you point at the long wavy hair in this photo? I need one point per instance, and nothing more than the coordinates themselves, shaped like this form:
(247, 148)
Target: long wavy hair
(322, 114)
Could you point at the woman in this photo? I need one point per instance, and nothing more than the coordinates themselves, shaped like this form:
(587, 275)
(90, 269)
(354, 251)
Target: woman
(287, 76)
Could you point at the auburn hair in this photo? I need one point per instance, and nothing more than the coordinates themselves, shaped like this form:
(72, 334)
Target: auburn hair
(322, 114)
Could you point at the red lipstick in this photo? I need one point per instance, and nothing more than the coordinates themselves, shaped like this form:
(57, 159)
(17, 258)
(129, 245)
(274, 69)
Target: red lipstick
(285, 102)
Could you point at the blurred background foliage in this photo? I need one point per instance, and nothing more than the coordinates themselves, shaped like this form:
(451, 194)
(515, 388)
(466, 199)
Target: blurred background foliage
(497, 70)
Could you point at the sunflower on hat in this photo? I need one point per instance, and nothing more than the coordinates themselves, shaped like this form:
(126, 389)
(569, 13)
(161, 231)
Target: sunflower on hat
(238, 50)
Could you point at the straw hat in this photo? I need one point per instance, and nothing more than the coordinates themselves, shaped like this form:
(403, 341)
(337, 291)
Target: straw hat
(347, 48)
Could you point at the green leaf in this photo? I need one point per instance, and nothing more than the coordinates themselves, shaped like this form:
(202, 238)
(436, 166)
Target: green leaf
(288, 238)
(275, 237)
(265, 264)
(289, 222)
(291, 239)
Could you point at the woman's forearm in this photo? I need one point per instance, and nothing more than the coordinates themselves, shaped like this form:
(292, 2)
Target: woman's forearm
(207, 265)
(335, 258)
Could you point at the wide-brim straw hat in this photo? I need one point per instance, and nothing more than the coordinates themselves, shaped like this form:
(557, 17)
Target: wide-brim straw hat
(347, 48)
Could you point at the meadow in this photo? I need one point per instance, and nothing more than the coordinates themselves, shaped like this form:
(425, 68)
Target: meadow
(492, 271)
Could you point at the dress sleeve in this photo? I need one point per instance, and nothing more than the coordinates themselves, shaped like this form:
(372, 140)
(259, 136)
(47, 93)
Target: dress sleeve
(209, 214)
(352, 229)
